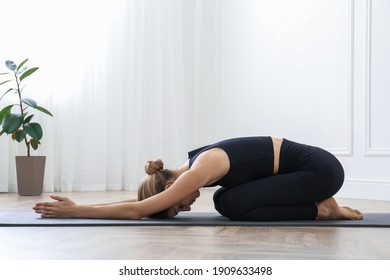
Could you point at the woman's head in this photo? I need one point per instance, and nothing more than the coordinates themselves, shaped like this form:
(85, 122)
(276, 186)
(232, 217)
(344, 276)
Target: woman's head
(155, 182)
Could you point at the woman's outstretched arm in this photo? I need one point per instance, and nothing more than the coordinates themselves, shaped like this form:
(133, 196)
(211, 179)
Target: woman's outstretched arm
(63, 207)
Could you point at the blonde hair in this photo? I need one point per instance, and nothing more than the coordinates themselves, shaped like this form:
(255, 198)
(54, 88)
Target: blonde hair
(155, 182)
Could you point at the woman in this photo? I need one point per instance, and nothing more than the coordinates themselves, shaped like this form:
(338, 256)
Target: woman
(261, 178)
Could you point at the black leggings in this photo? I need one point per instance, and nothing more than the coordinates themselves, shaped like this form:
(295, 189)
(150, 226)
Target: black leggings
(307, 175)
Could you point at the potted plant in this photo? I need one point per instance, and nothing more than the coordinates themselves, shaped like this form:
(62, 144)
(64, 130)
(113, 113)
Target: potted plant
(16, 120)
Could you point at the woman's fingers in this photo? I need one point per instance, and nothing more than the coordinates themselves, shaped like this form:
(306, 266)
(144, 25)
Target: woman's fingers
(46, 203)
(58, 198)
(53, 209)
(55, 197)
(48, 216)
(46, 210)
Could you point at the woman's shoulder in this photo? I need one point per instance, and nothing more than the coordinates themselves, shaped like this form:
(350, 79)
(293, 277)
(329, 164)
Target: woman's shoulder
(213, 163)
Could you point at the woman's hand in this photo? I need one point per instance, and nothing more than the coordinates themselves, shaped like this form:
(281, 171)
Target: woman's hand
(62, 208)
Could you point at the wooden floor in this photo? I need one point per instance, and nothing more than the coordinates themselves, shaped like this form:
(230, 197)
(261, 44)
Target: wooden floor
(196, 243)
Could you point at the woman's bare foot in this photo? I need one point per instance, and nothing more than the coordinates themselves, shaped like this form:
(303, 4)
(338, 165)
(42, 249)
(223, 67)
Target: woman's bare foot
(328, 209)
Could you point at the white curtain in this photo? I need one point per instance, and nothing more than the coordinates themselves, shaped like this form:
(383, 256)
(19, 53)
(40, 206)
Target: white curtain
(127, 81)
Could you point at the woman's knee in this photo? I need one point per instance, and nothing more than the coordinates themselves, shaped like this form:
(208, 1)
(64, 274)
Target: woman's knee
(334, 173)
(227, 205)
(216, 198)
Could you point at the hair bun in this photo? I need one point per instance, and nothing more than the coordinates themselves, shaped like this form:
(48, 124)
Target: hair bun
(153, 166)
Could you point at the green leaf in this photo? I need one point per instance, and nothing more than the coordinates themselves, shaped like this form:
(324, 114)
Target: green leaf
(6, 93)
(1, 132)
(34, 130)
(34, 143)
(22, 70)
(10, 65)
(43, 110)
(5, 73)
(19, 135)
(5, 112)
(21, 64)
(28, 73)
(29, 102)
(12, 123)
(28, 119)
(2, 83)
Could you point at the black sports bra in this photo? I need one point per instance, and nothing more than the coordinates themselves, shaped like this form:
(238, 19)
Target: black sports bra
(251, 158)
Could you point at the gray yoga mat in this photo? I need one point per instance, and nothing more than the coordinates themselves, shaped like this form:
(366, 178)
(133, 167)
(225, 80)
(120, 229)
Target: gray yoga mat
(30, 219)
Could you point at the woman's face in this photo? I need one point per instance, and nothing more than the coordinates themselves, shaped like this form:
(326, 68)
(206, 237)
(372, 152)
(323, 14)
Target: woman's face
(185, 205)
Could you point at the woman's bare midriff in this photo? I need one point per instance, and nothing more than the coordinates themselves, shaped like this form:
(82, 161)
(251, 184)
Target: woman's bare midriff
(277, 142)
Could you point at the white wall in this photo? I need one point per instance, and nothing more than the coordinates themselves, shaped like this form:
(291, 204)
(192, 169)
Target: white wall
(312, 71)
